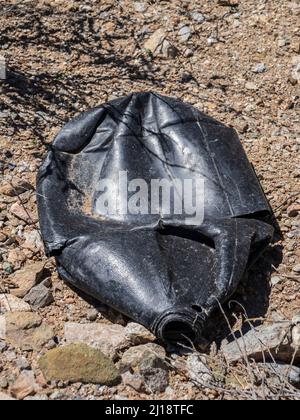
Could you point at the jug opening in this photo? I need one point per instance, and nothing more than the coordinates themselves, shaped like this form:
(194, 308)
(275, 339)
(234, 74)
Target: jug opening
(178, 331)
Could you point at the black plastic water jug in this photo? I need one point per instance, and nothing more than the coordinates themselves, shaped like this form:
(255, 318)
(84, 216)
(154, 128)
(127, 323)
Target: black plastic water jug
(115, 212)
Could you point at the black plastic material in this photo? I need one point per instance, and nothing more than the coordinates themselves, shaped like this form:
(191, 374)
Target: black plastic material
(156, 270)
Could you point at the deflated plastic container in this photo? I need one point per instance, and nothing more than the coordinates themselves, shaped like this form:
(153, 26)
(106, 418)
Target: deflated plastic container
(161, 269)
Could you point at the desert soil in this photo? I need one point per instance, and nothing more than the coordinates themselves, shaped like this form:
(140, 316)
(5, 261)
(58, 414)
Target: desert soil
(238, 61)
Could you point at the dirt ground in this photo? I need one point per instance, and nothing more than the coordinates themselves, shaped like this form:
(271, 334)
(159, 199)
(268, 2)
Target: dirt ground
(240, 64)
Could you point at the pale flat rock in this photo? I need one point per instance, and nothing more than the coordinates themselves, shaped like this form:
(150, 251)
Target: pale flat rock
(10, 303)
(198, 370)
(154, 43)
(251, 86)
(285, 371)
(275, 339)
(26, 331)
(108, 338)
(138, 334)
(159, 45)
(140, 7)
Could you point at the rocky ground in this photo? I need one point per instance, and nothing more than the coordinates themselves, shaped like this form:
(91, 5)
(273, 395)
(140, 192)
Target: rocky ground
(236, 60)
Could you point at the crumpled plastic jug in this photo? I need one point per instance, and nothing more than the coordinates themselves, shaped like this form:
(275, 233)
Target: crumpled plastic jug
(164, 268)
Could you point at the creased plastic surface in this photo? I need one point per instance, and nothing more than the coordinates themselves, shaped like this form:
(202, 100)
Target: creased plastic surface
(156, 270)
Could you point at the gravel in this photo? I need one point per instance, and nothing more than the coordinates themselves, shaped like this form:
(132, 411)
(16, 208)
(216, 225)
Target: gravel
(238, 63)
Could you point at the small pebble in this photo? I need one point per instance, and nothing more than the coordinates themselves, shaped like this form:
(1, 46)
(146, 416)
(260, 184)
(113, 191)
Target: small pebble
(260, 68)
(275, 280)
(198, 17)
(296, 269)
(92, 315)
(185, 33)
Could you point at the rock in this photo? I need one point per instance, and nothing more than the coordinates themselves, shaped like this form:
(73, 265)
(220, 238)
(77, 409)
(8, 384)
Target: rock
(275, 280)
(282, 42)
(8, 268)
(295, 46)
(10, 303)
(168, 50)
(22, 363)
(198, 17)
(135, 381)
(92, 315)
(3, 237)
(282, 371)
(19, 211)
(16, 258)
(142, 357)
(41, 397)
(2, 68)
(108, 338)
(3, 383)
(33, 241)
(296, 268)
(251, 86)
(154, 43)
(57, 395)
(28, 277)
(296, 337)
(24, 386)
(185, 33)
(296, 319)
(197, 369)
(2, 327)
(15, 187)
(10, 356)
(39, 297)
(228, 3)
(296, 70)
(3, 345)
(211, 41)
(260, 68)
(275, 339)
(137, 334)
(140, 7)
(47, 282)
(78, 363)
(295, 7)
(188, 53)
(156, 379)
(293, 210)
(26, 331)
(157, 44)
(6, 397)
